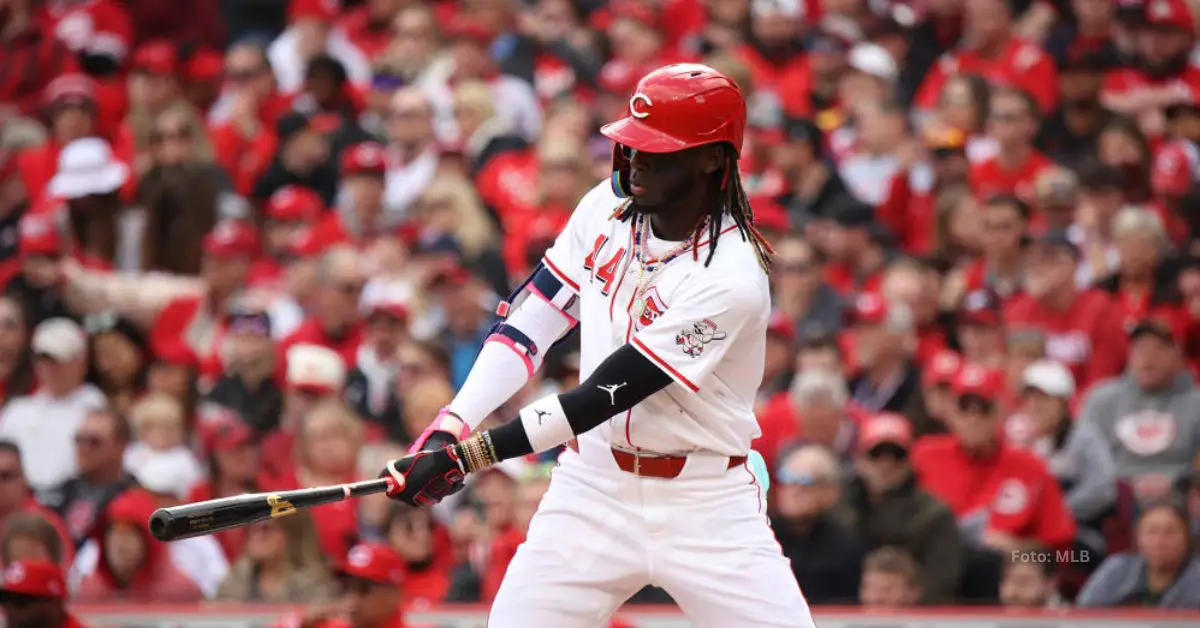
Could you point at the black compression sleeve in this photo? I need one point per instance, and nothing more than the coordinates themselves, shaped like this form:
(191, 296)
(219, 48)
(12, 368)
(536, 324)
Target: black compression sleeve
(621, 382)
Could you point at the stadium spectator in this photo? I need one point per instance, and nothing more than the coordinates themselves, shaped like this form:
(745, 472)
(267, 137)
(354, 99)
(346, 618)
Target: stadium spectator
(799, 294)
(992, 49)
(450, 211)
(423, 546)
(1163, 573)
(100, 443)
(816, 410)
(1083, 327)
(310, 34)
(1012, 122)
(425, 399)
(184, 194)
(412, 154)
(369, 383)
(117, 351)
(336, 323)
(917, 285)
(887, 509)
(232, 467)
(1000, 495)
(31, 536)
(1056, 195)
(780, 359)
(328, 441)
(34, 593)
(304, 157)
(160, 439)
(1028, 580)
(855, 245)
(1075, 452)
(889, 580)
(826, 556)
(936, 389)
(130, 564)
(71, 112)
(247, 384)
(1122, 145)
(359, 216)
(1001, 267)
(63, 399)
(281, 564)
(1140, 281)
(885, 343)
(16, 500)
(370, 580)
(979, 329)
(466, 319)
(483, 132)
(313, 374)
(244, 116)
(1142, 414)
(35, 51)
(16, 357)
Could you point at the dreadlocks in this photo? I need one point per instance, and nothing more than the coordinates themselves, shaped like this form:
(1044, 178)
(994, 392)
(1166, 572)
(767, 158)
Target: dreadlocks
(732, 200)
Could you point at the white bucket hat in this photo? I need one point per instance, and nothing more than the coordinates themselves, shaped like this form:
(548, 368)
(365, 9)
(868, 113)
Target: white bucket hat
(85, 167)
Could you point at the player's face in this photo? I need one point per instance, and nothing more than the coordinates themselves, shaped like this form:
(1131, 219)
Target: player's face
(657, 180)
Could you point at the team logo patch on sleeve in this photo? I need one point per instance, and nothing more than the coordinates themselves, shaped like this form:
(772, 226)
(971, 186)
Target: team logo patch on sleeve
(693, 340)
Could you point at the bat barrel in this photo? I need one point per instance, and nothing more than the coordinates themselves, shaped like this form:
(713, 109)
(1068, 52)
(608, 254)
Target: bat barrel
(208, 517)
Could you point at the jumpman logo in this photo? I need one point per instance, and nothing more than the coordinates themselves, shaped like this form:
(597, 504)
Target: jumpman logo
(612, 391)
(540, 414)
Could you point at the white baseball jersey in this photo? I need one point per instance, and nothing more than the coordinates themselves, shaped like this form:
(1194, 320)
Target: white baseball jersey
(704, 326)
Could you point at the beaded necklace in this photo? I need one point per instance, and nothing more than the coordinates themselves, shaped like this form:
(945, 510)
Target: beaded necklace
(649, 266)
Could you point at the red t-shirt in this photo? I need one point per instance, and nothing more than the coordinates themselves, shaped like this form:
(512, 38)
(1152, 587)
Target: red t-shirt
(1088, 336)
(312, 332)
(1013, 487)
(1019, 63)
(989, 178)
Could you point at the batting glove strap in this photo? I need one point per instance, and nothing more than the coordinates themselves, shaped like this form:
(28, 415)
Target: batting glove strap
(448, 428)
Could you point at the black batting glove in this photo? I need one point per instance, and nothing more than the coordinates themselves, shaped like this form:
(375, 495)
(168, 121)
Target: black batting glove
(427, 477)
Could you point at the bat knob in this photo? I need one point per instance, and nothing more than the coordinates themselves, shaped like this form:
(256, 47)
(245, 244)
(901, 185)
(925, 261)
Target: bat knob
(162, 524)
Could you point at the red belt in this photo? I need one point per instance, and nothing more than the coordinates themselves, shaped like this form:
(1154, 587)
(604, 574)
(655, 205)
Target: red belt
(655, 466)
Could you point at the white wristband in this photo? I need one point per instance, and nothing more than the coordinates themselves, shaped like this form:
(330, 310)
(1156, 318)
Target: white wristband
(546, 423)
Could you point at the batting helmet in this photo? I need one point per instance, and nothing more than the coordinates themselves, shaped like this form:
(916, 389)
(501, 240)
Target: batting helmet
(681, 106)
(673, 108)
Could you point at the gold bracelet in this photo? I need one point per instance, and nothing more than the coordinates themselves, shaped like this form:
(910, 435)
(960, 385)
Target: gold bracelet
(491, 447)
(476, 457)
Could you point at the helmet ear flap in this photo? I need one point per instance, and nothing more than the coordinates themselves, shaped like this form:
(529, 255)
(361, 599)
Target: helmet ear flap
(620, 172)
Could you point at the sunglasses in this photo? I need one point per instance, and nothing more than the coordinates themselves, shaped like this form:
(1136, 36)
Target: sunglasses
(798, 478)
(243, 75)
(887, 451)
(89, 440)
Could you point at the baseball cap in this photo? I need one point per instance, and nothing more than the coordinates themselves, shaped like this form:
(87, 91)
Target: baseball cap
(769, 214)
(886, 428)
(1058, 239)
(294, 203)
(1163, 329)
(979, 307)
(1171, 14)
(322, 10)
(781, 326)
(314, 368)
(1050, 377)
(34, 578)
(390, 300)
(803, 130)
(70, 89)
(293, 123)
(224, 433)
(365, 158)
(373, 562)
(978, 381)
(157, 56)
(59, 338)
(41, 234)
(231, 238)
(942, 368)
(468, 29)
(870, 308)
(874, 60)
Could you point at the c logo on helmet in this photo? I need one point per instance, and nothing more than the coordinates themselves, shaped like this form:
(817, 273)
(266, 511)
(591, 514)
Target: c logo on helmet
(633, 110)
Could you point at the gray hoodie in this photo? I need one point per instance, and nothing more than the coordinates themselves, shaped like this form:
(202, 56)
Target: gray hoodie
(1150, 433)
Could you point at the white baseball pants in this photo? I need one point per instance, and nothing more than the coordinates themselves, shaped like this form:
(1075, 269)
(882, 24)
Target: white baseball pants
(601, 534)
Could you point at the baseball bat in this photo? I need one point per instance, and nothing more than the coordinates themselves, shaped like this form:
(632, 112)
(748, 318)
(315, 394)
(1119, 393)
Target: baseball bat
(208, 517)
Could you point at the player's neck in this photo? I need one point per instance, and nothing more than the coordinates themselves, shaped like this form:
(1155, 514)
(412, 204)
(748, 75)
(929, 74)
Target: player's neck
(675, 226)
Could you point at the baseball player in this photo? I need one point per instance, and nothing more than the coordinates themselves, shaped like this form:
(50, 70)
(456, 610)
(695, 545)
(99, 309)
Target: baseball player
(665, 274)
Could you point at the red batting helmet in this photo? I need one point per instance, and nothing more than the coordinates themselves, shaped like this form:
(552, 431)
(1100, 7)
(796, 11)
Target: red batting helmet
(681, 106)
(674, 108)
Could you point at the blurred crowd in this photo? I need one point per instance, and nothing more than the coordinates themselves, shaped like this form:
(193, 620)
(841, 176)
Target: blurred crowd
(256, 246)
